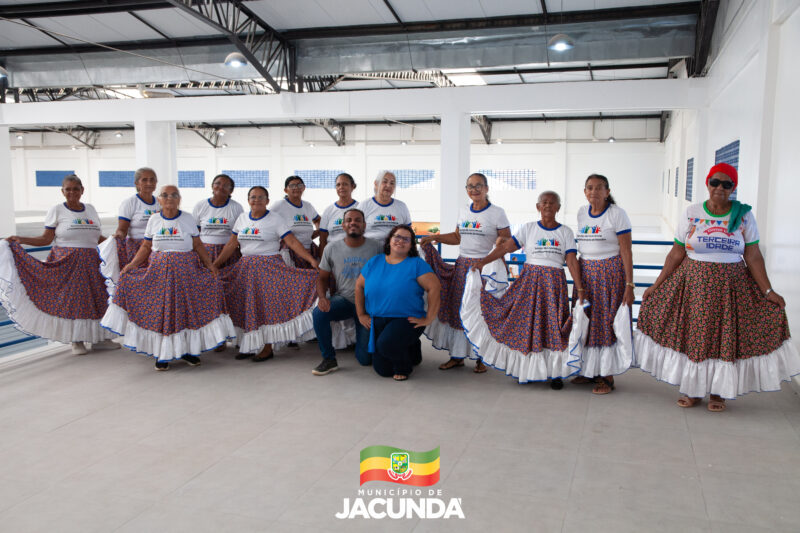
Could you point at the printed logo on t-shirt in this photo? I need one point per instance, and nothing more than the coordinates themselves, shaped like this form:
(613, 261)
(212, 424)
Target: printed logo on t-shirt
(588, 230)
(81, 221)
(217, 220)
(590, 233)
(148, 212)
(172, 230)
(249, 231)
(385, 218)
(300, 218)
(548, 242)
(714, 226)
(352, 267)
(168, 233)
(471, 224)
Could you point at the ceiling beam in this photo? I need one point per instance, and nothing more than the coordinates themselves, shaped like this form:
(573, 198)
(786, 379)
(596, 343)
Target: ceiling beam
(705, 31)
(85, 136)
(332, 127)
(690, 8)
(263, 47)
(537, 19)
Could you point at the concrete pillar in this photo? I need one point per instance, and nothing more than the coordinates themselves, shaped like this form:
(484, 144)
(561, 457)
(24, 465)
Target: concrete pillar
(8, 225)
(157, 147)
(455, 167)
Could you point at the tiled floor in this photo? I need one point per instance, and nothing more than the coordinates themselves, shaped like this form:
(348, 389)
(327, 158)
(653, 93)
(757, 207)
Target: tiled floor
(104, 443)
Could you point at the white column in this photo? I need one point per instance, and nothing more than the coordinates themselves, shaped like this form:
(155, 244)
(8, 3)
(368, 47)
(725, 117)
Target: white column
(8, 225)
(157, 147)
(455, 132)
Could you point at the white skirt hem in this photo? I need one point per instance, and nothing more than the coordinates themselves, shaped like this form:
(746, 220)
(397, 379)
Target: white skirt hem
(761, 373)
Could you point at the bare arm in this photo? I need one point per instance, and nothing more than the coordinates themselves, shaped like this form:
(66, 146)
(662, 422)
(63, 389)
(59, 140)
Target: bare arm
(504, 246)
(42, 240)
(198, 247)
(361, 308)
(323, 241)
(227, 250)
(433, 287)
(140, 257)
(575, 271)
(122, 228)
(626, 252)
(292, 242)
(323, 284)
(453, 238)
(674, 258)
(755, 264)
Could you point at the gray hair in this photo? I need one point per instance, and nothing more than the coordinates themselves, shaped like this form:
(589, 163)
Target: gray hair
(139, 173)
(73, 178)
(382, 174)
(554, 194)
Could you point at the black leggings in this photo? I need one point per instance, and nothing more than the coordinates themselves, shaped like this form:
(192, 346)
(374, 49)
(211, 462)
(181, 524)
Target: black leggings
(396, 341)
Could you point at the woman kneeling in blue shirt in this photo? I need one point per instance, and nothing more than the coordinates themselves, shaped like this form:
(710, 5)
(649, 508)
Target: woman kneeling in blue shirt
(389, 302)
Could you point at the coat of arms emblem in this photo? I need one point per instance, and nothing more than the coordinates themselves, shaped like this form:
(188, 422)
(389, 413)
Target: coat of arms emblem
(400, 470)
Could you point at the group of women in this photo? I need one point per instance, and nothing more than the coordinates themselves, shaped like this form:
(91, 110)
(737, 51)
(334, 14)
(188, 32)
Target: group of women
(182, 284)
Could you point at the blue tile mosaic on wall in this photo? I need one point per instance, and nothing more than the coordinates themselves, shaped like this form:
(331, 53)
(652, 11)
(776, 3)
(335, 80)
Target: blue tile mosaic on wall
(192, 179)
(677, 179)
(511, 179)
(414, 178)
(319, 178)
(51, 178)
(689, 178)
(249, 178)
(729, 154)
(116, 178)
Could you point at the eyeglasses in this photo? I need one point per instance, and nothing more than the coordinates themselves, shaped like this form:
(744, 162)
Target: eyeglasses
(478, 187)
(295, 186)
(169, 195)
(726, 184)
(258, 198)
(401, 238)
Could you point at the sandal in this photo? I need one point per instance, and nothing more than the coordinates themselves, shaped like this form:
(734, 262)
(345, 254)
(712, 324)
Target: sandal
(581, 380)
(686, 401)
(452, 363)
(480, 368)
(716, 404)
(603, 385)
(400, 377)
(220, 348)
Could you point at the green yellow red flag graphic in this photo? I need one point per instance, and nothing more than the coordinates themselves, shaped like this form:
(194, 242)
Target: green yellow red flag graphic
(395, 465)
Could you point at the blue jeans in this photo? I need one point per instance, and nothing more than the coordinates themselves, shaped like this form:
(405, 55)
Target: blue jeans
(341, 309)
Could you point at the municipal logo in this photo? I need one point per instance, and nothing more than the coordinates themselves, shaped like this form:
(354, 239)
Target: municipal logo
(168, 231)
(589, 230)
(300, 218)
(250, 231)
(471, 224)
(385, 463)
(548, 242)
(217, 220)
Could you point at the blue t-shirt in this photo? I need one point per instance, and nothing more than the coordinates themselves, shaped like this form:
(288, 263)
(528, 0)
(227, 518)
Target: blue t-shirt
(392, 290)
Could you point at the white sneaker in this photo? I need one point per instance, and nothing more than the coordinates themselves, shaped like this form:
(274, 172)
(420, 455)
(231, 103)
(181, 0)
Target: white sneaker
(78, 348)
(106, 345)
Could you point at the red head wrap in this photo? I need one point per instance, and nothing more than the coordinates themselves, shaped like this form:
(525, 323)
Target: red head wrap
(726, 169)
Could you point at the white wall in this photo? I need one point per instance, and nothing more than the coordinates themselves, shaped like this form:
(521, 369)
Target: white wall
(752, 88)
(562, 153)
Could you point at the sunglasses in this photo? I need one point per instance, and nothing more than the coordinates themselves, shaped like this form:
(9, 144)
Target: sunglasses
(726, 184)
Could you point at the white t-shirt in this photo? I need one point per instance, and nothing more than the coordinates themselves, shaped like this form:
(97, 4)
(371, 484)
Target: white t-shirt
(382, 218)
(216, 223)
(478, 229)
(597, 235)
(74, 229)
(137, 212)
(707, 238)
(546, 246)
(261, 236)
(332, 218)
(171, 234)
(300, 219)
